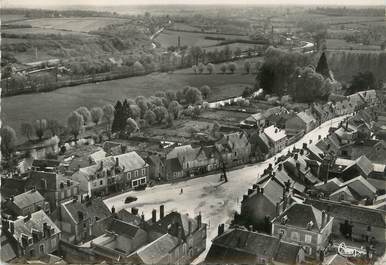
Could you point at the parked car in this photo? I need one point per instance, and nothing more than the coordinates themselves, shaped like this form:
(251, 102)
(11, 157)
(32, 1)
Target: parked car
(130, 199)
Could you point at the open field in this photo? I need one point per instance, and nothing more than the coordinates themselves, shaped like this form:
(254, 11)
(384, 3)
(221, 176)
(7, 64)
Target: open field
(168, 38)
(11, 17)
(233, 47)
(338, 44)
(81, 24)
(59, 103)
(45, 31)
(184, 26)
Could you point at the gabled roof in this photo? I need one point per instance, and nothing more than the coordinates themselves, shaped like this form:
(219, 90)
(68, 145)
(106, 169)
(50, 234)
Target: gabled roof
(336, 260)
(98, 155)
(124, 228)
(316, 151)
(154, 252)
(330, 186)
(361, 186)
(274, 134)
(128, 217)
(183, 153)
(27, 199)
(25, 226)
(130, 161)
(300, 214)
(90, 209)
(305, 117)
(346, 190)
(350, 212)
(273, 191)
(232, 141)
(255, 117)
(364, 164)
(241, 246)
(7, 251)
(45, 163)
(274, 111)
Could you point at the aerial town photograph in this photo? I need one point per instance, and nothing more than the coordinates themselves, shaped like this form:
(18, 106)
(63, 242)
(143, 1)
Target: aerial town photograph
(162, 132)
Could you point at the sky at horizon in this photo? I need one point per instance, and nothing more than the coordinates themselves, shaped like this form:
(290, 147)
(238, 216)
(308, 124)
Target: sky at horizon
(61, 3)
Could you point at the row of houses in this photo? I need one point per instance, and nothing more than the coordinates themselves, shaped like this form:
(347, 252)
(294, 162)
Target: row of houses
(284, 209)
(87, 231)
(271, 132)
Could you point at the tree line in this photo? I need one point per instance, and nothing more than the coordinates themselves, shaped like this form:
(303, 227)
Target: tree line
(162, 108)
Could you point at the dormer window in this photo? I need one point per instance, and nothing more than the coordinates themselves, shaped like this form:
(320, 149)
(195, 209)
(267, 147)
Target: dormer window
(284, 219)
(310, 224)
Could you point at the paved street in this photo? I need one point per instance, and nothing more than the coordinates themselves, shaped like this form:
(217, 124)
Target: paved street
(216, 201)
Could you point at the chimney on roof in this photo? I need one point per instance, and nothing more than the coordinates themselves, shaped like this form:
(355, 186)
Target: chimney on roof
(5, 224)
(262, 190)
(296, 156)
(179, 233)
(189, 227)
(11, 227)
(310, 224)
(199, 219)
(324, 218)
(254, 186)
(27, 218)
(101, 166)
(220, 229)
(278, 210)
(43, 184)
(11, 198)
(161, 211)
(134, 211)
(154, 215)
(143, 217)
(301, 151)
(113, 210)
(245, 197)
(304, 146)
(280, 167)
(33, 189)
(250, 191)
(24, 240)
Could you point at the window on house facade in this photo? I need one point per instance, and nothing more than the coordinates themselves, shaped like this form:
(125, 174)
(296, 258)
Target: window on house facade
(282, 232)
(143, 172)
(135, 183)
(136, 173)
(308, 239)
(84, 225)
(31, 253)
(41, 249)
(68, 192)
(128, 175)
(101, 182)
(308, 250)
(143, 180)
(295, 236)
(53, 242)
